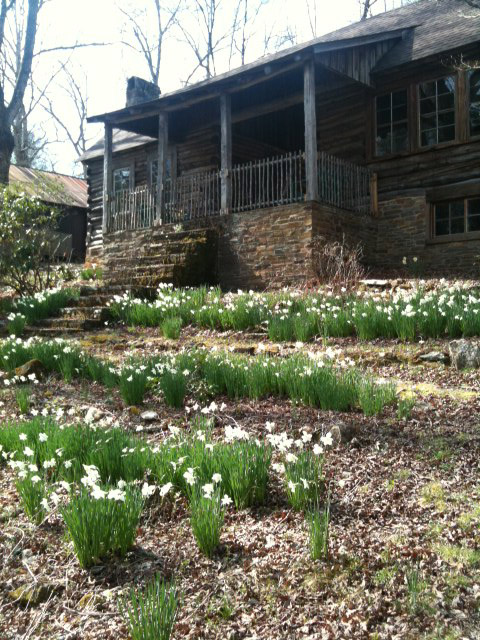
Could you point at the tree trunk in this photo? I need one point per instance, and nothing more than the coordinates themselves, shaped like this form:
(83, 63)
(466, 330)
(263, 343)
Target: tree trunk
(6, 150)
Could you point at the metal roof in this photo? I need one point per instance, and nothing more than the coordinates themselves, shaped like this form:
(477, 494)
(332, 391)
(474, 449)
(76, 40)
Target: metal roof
(121, 141)
(51, 187)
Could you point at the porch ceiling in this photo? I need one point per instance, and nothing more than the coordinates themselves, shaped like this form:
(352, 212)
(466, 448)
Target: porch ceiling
(274, 94)
(345, 57)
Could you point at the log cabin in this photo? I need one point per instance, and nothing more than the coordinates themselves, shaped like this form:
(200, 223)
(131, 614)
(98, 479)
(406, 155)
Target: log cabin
(370, 133)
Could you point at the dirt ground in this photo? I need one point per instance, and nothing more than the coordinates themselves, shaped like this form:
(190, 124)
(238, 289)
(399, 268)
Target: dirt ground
(405, 502)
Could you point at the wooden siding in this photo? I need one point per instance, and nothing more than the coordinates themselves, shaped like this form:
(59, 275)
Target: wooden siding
(357, 62)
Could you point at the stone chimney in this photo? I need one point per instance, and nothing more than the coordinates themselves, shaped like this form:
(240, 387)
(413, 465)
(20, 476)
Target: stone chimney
(139, 90)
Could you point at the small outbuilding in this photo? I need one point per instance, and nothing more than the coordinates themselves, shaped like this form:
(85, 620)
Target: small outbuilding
(69, 194)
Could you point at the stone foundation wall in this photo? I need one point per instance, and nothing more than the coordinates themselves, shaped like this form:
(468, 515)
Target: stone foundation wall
(265, 247)
(404, 231)
(275, 247)
(336, 225)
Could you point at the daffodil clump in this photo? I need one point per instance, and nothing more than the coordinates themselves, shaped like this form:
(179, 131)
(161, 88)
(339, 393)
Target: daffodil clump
(16, 323)
(99, 479)
(150, 612)
(327, 380)
(44, 304)
(291, 315)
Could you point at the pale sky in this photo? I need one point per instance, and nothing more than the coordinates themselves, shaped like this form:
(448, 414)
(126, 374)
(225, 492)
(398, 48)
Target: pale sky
(106, 68)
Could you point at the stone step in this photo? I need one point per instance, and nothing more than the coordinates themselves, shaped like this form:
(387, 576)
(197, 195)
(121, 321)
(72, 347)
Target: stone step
(60, 322)
(51, 332)
(159, 258)
(87, 302)
(68, 323)
(105, 289)
(136, 269)
(85, 312)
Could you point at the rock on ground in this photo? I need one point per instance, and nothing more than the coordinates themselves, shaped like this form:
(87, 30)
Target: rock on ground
(31, 367)
(93, 415)
(464, 354)
(434, 356)
(149, 416)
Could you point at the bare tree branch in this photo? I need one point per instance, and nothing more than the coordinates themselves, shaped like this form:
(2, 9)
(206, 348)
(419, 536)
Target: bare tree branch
(366, 7)
(147, 40)
(71, 47)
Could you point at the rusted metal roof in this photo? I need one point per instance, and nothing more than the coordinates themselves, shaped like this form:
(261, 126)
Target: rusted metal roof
(55, 188)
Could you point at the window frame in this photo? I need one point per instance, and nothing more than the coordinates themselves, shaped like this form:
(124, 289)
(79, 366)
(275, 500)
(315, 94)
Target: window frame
(152, 157)
(390, 92)
(471, 136)
(453, 237)
(456, 111)
(119, 166)
(461, 119)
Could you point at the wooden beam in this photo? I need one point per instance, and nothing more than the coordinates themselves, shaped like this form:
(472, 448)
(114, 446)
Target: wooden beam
(226, 151)
(161, 163)
(374, 195)
(311, 155)
(107, 176)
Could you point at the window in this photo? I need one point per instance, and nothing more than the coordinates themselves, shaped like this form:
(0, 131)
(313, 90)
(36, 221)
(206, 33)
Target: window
(474, 116)
(121, 179)
(456, 217)
(391, 123)
(154, 170)
(437, 111)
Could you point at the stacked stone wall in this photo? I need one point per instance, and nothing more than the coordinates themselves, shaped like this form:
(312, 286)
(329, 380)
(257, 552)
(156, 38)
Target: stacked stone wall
(275, 247)
(404, 232)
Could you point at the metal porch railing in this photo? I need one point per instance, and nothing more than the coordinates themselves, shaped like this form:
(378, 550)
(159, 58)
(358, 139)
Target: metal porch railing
(264, 183)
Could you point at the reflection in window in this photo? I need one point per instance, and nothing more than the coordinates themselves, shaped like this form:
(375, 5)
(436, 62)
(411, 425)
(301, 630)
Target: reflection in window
(121, 179)
(391, 123)
(437, 111)
(474, 84)
(154, 170)
(456, 217)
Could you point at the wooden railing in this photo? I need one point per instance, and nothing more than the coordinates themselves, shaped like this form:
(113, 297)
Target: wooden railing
(269, 182)
(190, 197)
(132, 209)
(343, 184)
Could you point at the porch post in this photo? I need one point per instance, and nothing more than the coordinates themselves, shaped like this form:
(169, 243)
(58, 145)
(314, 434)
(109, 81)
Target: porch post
(226, 151)
(161, 163)
(107, 176)
(311, 157)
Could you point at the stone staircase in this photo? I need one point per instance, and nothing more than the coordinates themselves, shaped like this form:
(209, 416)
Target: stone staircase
(146, 258)
(87, 313)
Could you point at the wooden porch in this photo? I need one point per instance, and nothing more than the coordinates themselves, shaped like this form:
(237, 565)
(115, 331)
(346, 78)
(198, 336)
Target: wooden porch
(276, 111)
(264, 183)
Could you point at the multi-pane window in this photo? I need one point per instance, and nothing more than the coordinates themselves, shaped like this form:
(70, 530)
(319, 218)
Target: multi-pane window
(456, 217)
(474, 116)
(437, 111)
(391, 123)
(154, 170)
(121, 179)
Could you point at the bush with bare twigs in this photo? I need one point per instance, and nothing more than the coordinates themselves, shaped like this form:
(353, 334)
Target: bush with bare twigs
(338, 263)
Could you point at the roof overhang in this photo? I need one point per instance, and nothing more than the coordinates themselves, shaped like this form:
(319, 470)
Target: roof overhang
(241, 78)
